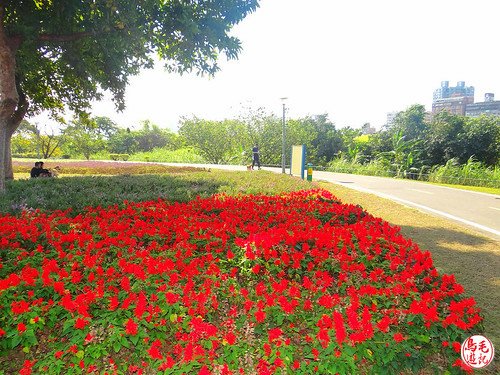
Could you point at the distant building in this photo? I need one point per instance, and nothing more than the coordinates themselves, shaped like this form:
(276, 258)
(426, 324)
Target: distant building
(460, 90)
(456, 106)
(391, 117)
(488, 107)
(368, 129)
(453, 99)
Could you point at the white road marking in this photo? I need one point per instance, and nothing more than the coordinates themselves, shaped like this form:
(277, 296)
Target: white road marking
(440, 213)
(422, 191)
(494, 208)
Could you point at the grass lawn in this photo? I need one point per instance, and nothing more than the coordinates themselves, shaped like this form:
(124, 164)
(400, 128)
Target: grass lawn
(472, 258)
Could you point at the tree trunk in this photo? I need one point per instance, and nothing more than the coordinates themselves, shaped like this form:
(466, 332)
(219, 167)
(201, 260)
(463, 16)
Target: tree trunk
(9, 99)
(9, 172)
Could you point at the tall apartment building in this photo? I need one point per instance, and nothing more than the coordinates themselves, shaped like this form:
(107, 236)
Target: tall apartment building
(446, 91)
(454, 99)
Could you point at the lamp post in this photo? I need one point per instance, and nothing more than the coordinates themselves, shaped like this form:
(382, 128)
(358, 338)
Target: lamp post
(283, 138)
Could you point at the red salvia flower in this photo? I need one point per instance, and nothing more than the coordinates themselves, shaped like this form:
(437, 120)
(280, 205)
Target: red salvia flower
(21, 327)
(131, 327)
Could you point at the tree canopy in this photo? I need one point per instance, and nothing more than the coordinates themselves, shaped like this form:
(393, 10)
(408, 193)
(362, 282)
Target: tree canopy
(64, 54)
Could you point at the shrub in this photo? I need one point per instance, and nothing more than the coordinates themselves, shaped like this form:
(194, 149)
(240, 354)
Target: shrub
(117, 157)
(183, 155)
(473, 173)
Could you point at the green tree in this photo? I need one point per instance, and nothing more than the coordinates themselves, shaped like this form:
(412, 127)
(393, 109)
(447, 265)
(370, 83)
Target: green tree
(83, 137)
(445, 138)
(151, 136)
(402, 160)
(322, 140)
(263, 129)
(217, 141)
(105, 126)
(411, 123)
(350, 149)
(25, 139)
(64, 54)
(123, 142)
(50, 145)
(482, 139)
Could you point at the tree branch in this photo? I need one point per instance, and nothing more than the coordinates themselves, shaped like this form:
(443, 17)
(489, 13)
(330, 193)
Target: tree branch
(65, 37)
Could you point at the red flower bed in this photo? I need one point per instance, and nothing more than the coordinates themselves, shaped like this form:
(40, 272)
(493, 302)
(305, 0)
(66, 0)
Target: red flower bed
(226, 285)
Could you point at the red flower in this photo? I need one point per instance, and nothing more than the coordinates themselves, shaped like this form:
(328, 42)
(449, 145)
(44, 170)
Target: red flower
(274, 333)
(125, 283)
(27, 367)
(398, 337)
(463, 366)
(21, 327)
(131, 327)
(171, 298)
(230, 338)
(140, 308)
(383, 325)
(20, 307)
(81, 323)
(260, 316)
(340, 333)
(154, 350)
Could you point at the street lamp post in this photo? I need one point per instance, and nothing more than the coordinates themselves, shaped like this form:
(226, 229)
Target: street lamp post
(283, 138)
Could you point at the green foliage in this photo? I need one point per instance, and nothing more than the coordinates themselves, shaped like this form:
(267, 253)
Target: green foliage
(123, 142)
(444, 141)
(411, 123)
(115, 157)
(147, 138)
(482, 139)
(372, 168)
(472, 173)
(401, 160)
(69, 52)
(181, 155)
(82, 137)
(218, 142)
(150, 136)
(105, 183)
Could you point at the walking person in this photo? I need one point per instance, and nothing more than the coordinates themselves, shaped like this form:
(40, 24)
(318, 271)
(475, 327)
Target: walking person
(255, 156)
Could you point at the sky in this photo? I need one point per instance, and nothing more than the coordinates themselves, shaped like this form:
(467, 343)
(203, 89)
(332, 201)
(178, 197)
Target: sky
(355, 60)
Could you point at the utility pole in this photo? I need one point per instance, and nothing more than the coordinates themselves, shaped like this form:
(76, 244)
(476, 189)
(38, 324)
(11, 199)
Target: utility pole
(283, 138)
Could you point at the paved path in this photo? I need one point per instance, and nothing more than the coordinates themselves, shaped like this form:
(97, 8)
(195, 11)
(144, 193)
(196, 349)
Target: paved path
(474, 209)
(478, 210)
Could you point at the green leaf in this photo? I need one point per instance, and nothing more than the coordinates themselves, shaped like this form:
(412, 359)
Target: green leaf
(134, 339)
(124, 342)
(424, 338)
(117, 346)
(15, 341)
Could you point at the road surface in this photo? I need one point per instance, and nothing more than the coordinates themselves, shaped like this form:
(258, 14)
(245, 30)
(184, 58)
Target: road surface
(473, 209)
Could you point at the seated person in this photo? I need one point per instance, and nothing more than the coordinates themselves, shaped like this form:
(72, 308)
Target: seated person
(35, 171)
(44, 172)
